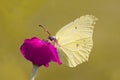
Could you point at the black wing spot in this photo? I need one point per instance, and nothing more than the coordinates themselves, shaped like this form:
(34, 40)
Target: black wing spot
(77, 45)
(75, 27)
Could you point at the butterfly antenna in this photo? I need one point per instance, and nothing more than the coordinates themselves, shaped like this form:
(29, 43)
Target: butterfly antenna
(45, 29)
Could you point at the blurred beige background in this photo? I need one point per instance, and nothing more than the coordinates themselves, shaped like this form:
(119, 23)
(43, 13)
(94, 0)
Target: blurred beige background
(19, 19)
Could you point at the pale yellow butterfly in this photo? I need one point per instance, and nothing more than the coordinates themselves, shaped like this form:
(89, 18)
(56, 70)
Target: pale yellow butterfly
(75, 40)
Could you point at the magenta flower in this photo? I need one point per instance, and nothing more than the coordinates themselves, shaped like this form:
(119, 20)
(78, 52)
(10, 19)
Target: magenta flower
(39, 52)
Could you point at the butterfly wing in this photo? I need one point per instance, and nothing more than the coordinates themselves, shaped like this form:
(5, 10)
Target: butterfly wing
(75, 40)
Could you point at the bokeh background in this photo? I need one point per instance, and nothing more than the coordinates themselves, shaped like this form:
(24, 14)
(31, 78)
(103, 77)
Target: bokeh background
(19, 19)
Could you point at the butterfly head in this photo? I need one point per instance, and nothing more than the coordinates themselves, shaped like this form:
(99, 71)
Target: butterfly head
(54, 41)
(52, 38)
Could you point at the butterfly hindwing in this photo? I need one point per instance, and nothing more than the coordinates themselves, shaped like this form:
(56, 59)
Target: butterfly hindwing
(78, 51)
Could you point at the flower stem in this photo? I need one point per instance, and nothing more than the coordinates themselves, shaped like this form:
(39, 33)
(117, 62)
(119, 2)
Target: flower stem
(34, 71)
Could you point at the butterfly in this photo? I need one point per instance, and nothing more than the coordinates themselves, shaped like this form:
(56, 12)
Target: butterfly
(74, 40)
